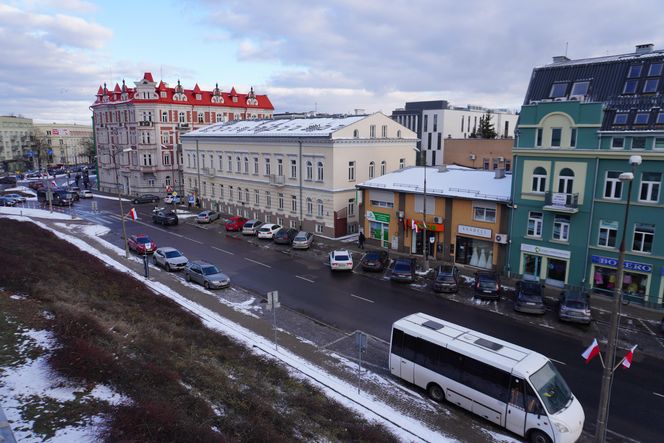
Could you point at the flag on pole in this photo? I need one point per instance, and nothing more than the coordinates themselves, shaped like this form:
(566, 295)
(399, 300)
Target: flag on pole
(591, 352)
(132, 214)
(627, 360)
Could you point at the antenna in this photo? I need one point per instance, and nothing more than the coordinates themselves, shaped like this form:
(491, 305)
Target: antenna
(161, 72)
(566, 46)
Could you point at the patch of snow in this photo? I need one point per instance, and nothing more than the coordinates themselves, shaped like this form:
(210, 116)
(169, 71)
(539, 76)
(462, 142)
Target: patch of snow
(107, 394)
(29, 212)
(18, 297)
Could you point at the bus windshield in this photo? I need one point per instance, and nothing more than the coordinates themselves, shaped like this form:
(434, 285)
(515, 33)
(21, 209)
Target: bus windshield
(551, 388)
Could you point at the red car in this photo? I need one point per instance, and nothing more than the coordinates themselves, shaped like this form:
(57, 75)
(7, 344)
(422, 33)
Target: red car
(235, 223)
(142, 244)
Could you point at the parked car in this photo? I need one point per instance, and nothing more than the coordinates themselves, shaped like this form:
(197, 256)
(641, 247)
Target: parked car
(446, 278)
(165, 217)
(207, 216)
(251, 227)
(169, 258)
(375, 260)
(661, 325)
(145, 198)
(19, 198)
(235, 223)
(403, 270)
(285, 236)
(341, 260)
(528, 297)
(86, 193)
(8, 180)
(487, 285)
(267, 230)
(206, 274)
(6, 201)
(172, 199)
(303, 240)
(574, 306)
(141, 243)
(76, 192)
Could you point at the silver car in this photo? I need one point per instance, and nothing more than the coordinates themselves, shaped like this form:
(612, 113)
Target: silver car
(303, 240)
(17, 197)
(170, 259)
(206, 274)
(207, 217)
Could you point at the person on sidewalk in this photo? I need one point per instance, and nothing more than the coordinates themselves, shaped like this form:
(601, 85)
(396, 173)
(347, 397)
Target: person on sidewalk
(360, 240)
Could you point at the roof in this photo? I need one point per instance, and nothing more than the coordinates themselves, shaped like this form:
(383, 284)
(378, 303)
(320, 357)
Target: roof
(295, 127)
(450, 181)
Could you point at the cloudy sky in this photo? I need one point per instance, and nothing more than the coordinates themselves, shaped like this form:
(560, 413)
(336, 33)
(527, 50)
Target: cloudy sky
(333, 55)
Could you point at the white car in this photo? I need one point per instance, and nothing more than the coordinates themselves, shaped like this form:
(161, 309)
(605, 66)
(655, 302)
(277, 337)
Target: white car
(169, 258)
(171, 199)
(341, 260)
(85, 193)
(268, 230)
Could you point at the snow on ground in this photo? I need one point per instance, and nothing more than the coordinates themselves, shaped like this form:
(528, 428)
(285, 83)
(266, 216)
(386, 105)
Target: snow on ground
(38, 213)
(110, 197)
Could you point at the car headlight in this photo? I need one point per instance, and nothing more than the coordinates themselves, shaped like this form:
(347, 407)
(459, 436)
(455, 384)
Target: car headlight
(561, 427)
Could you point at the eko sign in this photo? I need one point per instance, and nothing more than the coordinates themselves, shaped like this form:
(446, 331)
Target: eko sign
(629, 265)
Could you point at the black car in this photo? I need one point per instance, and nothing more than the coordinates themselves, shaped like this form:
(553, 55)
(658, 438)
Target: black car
(8, 180)
(575, 307)
(285, 236)
(403, 270)
(165, 218)
(487, 285)
(375, 260)
(6, 201)
(528, 297)
(446, 279)
(145, 198)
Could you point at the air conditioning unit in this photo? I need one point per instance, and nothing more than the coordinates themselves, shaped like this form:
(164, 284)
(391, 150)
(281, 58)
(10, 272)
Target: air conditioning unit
(559, 99)
(472, 156)
(501, 238)
(577, 97)
(546, 100)
(438, 220)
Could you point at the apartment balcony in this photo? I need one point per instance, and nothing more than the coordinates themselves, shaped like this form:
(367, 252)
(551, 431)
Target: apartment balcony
(145, 123)
(561, 202)
(277, 180)
(183, 125)
(210, 172)
(148, 169)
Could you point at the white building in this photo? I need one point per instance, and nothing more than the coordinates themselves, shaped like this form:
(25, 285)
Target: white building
(69, 143)
(297, 172)
(16, 140)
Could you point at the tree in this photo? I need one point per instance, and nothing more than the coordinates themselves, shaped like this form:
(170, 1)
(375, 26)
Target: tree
(89, 150)
(486, 128)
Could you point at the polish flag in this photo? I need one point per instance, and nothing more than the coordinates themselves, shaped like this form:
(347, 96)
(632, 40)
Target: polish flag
(413, 226)
(627, 360)
(591, 352)
(132, 214)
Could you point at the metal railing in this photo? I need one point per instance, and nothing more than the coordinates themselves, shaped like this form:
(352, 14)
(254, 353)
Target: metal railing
(562, 200)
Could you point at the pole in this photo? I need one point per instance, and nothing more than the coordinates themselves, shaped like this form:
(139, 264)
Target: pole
(607, 372)
(300, 168)
(117, 187)
(425, 240)
(198, 169)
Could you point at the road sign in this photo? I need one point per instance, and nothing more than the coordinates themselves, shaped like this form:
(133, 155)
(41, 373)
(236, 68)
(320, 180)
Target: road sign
(273, 300)
(169, 189)
(361, 340)
(174, 194)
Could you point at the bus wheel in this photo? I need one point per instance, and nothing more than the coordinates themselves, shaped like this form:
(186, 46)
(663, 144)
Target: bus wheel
(537, 436)
(436, 392)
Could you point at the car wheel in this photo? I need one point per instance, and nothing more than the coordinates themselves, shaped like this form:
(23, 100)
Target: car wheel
(135, 201)
(168, 267)
(155, 200)
(187, 277)
(206, 285)
(436, 392)
(537, 436)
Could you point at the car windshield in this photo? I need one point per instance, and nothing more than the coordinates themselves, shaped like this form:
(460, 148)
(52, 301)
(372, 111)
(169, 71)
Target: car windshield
(487, 281)
(402, 267)
(203, 214)
(301, 238)
(173, 254)
(341, 257)
(143, 240)
(210, 270)
(372, 256)
(445, 277)
(551, 387)
(575, 304)
(530, 288)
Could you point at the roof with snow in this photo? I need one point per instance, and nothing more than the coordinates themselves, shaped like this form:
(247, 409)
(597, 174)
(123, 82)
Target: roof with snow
(295, 127)
(450, 181)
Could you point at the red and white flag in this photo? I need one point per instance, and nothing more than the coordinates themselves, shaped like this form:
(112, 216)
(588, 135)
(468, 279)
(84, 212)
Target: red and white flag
(627, 360)
(591, 352)
(132, 214)
(413, 226)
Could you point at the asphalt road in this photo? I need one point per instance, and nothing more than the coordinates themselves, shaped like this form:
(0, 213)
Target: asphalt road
(350, 301)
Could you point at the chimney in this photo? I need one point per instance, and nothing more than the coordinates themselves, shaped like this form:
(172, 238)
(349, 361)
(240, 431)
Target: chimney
(500, 173)
(644, 48)
(560, 59)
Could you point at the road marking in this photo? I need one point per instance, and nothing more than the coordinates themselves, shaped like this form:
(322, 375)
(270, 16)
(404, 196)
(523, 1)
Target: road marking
(362, 298)
(191, 239)
(223, 250)
(558, 361)
(257, 262)
(304, 278)
(658, 394)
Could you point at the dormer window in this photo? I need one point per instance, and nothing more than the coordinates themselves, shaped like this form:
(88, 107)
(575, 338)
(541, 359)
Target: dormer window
(558, 90)
(199, 96)
(630, 87)
(655, 69)
(234, 99)
(620, 119)
(650, 86)
(634, 71)
(642, 118)
(163, 94)
(580, 88)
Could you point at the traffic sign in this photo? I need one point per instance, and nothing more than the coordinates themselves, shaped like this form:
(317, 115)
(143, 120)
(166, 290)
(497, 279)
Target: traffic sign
(174, 194)
(169, 189)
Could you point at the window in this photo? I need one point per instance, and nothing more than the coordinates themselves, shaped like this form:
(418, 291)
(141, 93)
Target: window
(268, 199)
(566, 181)
(630, 87)
(580, 88)
(534, 224)
(383, 131)
(558, 90)
(200, 117)
(293, 169)
(539, 137)
(372, 169)
(426, 123)
(620, 119)
(164, 116)
(617, 143)
(402, 163)
(280, 201)
(556, 135)
(659, 143)
(257, 197)
(643, 237)
(351, 171)
(650, 187)
(608, 231)
(660, 118)
(319, 208)
(219, 117)
(230, 193)
(356, 133)
(539, 180)
(221, 191)
(484, 214)
(612, 186)
(655, 69)
(561, 227)
(181, 117)
(267, 166)
(650, 85)
(319, 229)
(255, 165)
(641, 118)
(238, 163)
(293, 203)
(639, 143)
(372, 131)
(634, 71)
(399, 133)
(485, 164)
(310, 171)
(351, 207)
(435, 123)
(246, 165)
(230, 163)
(280, 167)
(310, 206)
(572, 137)
(319, 172)
(383, 166)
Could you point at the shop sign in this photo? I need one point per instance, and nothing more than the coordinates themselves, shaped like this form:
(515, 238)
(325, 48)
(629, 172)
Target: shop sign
(560, 253)
(432, 227)
(472, 230)
(629, 265)
(558, 199)
(378, 217)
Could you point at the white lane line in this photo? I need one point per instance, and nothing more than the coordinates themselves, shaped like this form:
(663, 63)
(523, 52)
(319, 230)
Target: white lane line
(223, 250)
(191, 239)
(362, 298)
(658, 394)
(304, 278)
(257, 262)
(558, 361)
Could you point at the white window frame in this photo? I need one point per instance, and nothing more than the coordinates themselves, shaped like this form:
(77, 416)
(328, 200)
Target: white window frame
(607, 226)
(484, 212)
(320, 208)
(562, 222)
(320, 171)
(537, 219)
(310, 170)
(612, 186)
(280, 201)
(538, 184)
(293, 168)
(351, 171)
(310, 206)
(372, 169)
(641, 232)
(383, 167)
(651, 187)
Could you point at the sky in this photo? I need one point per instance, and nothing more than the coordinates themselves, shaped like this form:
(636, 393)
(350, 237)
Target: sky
(333, 56)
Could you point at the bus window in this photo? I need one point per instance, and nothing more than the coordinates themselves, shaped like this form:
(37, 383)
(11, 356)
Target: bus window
(551, 388)
(533, 405)
(397, 342)
(516, 393)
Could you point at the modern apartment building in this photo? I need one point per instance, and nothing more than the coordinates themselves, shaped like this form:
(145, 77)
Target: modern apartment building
(70, 144)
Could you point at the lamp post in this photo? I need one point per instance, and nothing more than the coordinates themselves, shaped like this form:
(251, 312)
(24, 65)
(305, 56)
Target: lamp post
(609, 364)
(117, 187)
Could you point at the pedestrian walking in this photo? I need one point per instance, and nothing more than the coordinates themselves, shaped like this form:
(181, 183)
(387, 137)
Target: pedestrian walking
(360, 240)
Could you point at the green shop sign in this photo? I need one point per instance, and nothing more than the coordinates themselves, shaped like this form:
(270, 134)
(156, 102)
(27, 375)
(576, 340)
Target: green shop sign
(378, 217)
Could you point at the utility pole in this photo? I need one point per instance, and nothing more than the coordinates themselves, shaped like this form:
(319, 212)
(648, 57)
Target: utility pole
(300, 168)
(425, 240)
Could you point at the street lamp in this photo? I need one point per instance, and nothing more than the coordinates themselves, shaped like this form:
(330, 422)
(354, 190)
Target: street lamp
(607, 372)
(117, 187)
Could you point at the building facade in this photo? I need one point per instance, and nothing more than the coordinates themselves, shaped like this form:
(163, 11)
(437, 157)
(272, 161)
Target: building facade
(581, 122)
(70, 144)
(464, 210)
(294, 172)
(16, 140)
(479, 153)
(138, 129)
(436, 121)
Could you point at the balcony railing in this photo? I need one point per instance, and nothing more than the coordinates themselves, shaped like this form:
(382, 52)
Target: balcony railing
(277, 180)
(561, 202)
(145, 123)
(183, 125)
(210, 172)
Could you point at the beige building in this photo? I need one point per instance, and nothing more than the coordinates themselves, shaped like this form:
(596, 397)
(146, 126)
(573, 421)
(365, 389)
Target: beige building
(16, 138)
(479, 153)
(70, 143)
(298, 173)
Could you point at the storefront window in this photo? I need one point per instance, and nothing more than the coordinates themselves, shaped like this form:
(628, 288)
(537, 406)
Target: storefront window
(634, 284)
(532, 264)
(474, 252)
(556, 269)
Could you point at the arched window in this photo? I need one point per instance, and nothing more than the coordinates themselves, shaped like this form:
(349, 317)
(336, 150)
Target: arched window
(372, 169)
(246, 165)
(319, 176)
(310, 171)
(539, 180)
(566, 181)
(356, 133)
(239, 164)
(320, 211)
(310, 206)
(383, 166)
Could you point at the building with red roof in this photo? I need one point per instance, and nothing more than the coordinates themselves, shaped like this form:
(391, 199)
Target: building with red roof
(143, 125)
